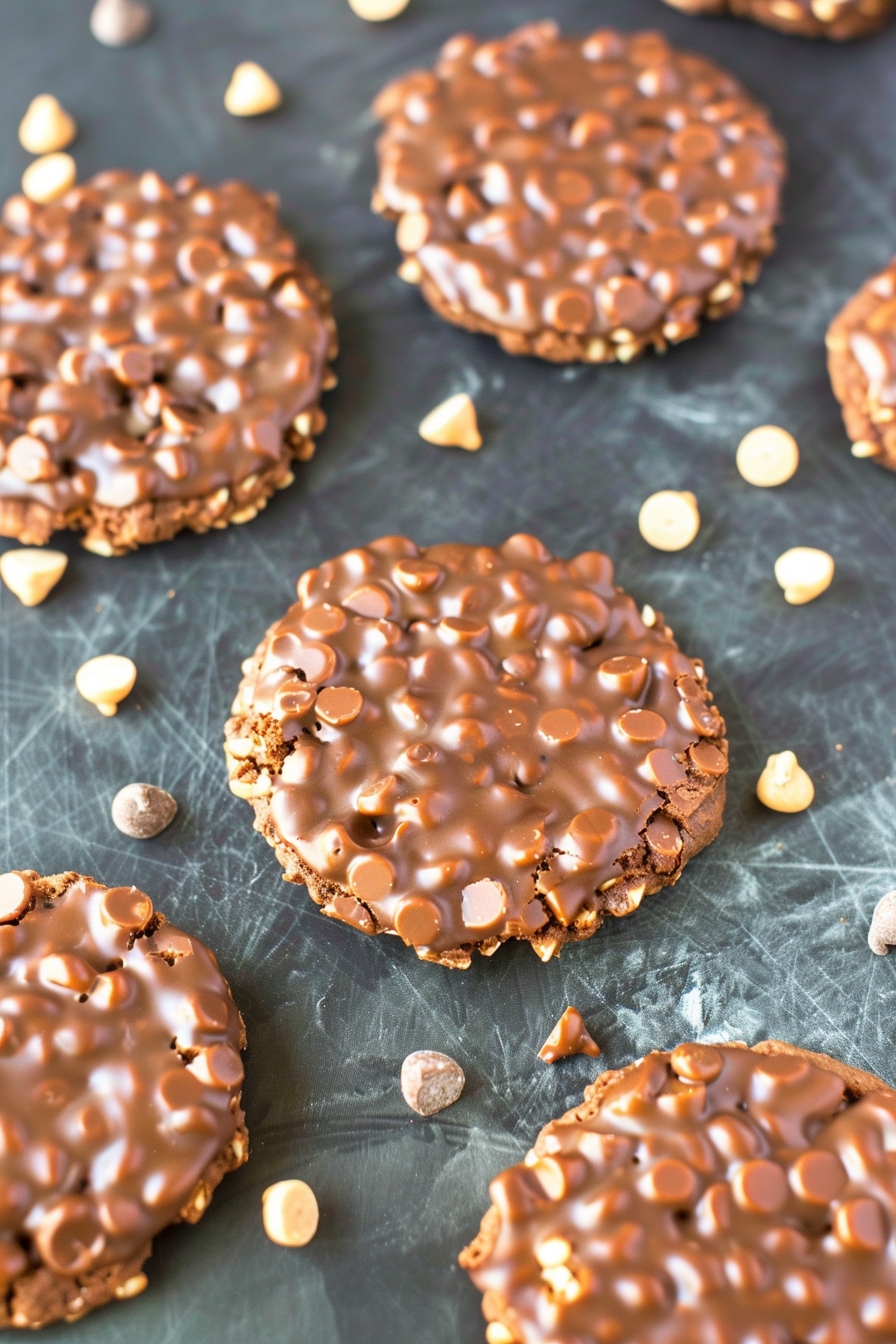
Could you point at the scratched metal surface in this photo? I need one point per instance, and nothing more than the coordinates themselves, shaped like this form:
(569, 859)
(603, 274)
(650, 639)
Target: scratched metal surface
(765, 934)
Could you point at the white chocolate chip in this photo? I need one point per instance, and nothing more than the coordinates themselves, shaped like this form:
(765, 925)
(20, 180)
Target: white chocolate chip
(784, 785)
(31, 573)
(453, 424)
(289, 1212)
(767, 456)
(106, 680)
(251, 91)
(377, 10)
(669, 520)
(118, 23)
(803, 573)
(496, 1333)
(46, 126)
(648, 615)
(864, 448)
(48, 178)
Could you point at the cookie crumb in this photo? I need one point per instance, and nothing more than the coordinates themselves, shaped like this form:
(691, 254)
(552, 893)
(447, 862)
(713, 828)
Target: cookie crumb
(143, 810)
(431, 1081)
(882, 933)
(290, 1213)
(570, 1036)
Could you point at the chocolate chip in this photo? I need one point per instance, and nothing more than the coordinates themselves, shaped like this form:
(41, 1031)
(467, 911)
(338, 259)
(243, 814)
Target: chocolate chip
(431, 1081)
(119, 23)
(883, 925)
(142, 810)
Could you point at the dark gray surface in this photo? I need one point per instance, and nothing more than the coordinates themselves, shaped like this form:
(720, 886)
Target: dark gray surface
(765, 934)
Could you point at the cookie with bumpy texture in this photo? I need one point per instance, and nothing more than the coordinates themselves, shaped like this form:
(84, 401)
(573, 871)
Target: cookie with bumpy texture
(162, 354)
(715, 1193)
(836, 19)
(861, 343)
(464, 744)
(120, 1078)
(578, 198)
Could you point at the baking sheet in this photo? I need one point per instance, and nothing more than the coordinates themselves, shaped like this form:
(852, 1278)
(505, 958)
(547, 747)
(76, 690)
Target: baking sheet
(765, 934)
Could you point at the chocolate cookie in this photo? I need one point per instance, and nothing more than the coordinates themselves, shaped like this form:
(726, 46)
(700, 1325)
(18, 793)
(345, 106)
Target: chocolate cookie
(162, 355)
(463, 745)
(717, 1193)
(119, 1090)
(580, 199)
(838, 19)
(861, 345)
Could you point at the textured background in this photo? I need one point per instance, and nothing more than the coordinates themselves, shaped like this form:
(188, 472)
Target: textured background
(765, 934)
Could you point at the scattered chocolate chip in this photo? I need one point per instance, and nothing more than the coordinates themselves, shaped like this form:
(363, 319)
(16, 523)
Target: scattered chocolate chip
(119, 23)
(569, 1037)
(883, 925)
(142, 810)
(430, 1081)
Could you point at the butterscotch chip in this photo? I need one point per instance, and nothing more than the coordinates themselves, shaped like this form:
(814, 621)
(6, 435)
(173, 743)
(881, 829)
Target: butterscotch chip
(767, 456)
(804, 573)
(837, 19)
(377, 10)
(493, 161)
(569, 1036)
(464, 745)
(289, 1212)
(861, 345)
(173, 389)
(120, 1074)
(251, 91)
(660, 1206)
(453, 424)
(784, 785)
(106, 680)
(32, 573)
(46, 126)
(431, 1081)
(669, 520)
(49, 177)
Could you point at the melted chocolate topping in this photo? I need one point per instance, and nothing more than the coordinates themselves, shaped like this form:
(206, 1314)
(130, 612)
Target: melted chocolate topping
(472, 742)
(715, 1196)
(156, 342)
(119, 1073)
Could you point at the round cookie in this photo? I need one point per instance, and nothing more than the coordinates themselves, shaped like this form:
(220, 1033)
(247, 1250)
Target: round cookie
(837, 19)
(717, 1193)
(120, 1083)
(462, 745)
(861, 345)
(579, 199)
(162, 354)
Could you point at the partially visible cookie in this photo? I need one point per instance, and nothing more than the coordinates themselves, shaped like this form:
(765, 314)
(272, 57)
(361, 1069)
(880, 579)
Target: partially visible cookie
(714, 1193)
(578, 198)
(463, 745)
(120, 1079)
(162, 354)
(837, 19)
(861, 343)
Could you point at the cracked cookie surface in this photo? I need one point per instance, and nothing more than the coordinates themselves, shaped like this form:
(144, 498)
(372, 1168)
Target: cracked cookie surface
(462, 745)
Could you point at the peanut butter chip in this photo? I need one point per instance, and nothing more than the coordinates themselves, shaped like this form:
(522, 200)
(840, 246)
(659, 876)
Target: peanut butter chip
(338, 705)
(46, 126)
(483, 903)
(560, 725)
(767, 456)
(784, 785)
(48, 178)
(669, 1182)
(760, 1186)
(669, 520)
(375, 11)
(804, 573)
(370, 877)
(15, 896)
(431, 1081)
(105, 681)
(818, 1176)
(251, 91)
(289, 1212)
(127, 907)
(569, 1036)
(32, 573)
(417, 921)
(453, 424)
(861, 1225)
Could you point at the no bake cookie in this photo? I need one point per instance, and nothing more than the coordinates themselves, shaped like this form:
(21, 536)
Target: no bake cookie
(462, 745)
(120, 1079)
(837, 19)
(162, 354)
(861, 345)
(714, 1193)
(578, 198)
